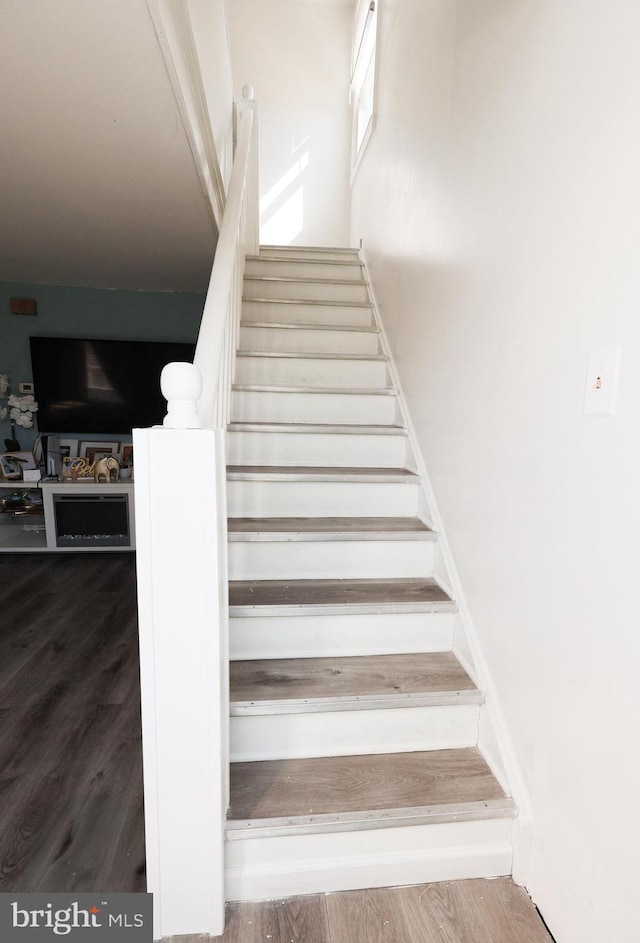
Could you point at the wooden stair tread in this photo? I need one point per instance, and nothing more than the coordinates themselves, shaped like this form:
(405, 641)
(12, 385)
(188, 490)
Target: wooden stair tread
(348, 526)
(372, 789)
(339, 391)
(313, 326)
(309, 301)
(308, 355)
(266, 257)
(362, 677)
(305, 279)
(358, 592)
(344, 428)
(319, 473)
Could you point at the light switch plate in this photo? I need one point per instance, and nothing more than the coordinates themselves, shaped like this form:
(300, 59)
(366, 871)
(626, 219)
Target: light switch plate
(601, 387)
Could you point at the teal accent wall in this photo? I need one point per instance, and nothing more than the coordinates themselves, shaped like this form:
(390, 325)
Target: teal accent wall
(93, 313)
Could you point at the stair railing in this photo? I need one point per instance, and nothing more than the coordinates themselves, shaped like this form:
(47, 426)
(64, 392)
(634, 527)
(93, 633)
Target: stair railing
(181, 541)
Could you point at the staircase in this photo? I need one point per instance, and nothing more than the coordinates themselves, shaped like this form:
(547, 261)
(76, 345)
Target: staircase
(354, 728)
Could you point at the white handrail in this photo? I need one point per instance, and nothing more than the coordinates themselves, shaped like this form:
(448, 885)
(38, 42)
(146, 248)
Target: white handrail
(220, 325)
(217, 309)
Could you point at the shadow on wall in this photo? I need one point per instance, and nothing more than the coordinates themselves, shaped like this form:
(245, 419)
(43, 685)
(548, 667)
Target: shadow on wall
(282, 206)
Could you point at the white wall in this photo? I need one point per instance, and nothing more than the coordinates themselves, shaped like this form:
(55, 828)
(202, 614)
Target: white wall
(499, 207)
(297, 57)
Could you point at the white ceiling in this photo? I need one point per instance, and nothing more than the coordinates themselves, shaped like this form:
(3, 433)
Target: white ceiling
(97, 181)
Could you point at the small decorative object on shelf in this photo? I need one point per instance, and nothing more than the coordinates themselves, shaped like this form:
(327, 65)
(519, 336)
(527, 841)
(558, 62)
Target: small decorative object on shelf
(106, 469)
(77, 469)
(14, 464)
(19, 410)
(21, 503)
(10, 468)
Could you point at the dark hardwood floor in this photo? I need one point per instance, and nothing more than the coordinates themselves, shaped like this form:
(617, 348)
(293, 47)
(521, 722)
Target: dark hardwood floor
(71, 801)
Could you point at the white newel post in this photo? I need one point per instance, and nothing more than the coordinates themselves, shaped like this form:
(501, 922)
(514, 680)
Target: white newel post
(181, 563)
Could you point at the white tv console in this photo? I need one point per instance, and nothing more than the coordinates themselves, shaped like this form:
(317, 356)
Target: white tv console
(74, 516)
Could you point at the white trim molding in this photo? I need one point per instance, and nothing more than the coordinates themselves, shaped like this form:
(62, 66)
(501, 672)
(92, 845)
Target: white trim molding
(175, 35)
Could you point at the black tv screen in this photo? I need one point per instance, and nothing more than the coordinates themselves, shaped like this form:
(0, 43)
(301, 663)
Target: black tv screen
(91, 386)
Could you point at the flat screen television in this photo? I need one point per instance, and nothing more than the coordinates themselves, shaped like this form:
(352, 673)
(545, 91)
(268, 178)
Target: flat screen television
(93, 386)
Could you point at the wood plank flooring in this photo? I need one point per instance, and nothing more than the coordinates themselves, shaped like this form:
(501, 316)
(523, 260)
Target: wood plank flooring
(70, 744)
(457, 912)
(478, 911)
(305, 678)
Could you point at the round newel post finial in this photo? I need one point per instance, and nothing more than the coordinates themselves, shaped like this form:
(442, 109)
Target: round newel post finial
(248, 93)
(181, 386)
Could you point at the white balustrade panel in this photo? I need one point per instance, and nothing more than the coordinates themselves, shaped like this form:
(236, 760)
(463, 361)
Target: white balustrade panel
(182, 605)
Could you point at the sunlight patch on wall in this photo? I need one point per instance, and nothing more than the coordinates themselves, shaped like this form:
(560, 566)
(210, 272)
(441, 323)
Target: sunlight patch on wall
(286, 222)
(282, 207)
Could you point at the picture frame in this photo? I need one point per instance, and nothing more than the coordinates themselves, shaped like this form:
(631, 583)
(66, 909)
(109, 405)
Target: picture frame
(10, 470)
(68, 448)
(126, 453)
(94, 451)
(12, 465)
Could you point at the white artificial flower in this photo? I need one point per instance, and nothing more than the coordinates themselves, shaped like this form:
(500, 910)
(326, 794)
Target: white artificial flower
(21, 419)
(19, 408)
(26, 404)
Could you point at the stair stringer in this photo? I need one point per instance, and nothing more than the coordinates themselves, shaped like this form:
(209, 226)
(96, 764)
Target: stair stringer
(494, 739)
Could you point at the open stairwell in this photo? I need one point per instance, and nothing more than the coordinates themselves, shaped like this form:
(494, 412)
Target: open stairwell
(354, 728)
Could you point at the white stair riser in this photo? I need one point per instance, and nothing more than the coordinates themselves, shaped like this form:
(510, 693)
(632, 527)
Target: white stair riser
(265, 868)
(330, 559)
(268, 406)
(305, 269)
(298, 371)
(299, 636)
(346, 733)
(299, 340)
(319, 498)
(311, 291)
(294, 313)
(310, 252)
(322, 448)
